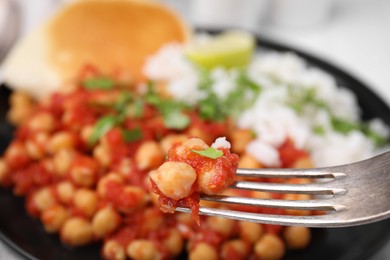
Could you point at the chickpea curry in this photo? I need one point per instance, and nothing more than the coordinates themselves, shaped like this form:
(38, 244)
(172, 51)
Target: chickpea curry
(82, 159)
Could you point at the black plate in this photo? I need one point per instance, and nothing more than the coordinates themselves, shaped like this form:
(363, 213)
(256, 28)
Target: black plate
(27, 236)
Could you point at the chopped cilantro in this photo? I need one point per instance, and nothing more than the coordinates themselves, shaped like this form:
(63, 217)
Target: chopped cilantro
(300, 98)
(254, 134)
(209, 152)
(319, 130)
(243, 96)
(123, 99)
(171, 110)
(343, 126)
(379, 140)
(102, 126)
(205, 81)
(138, 108)
(376, 138)
(98, 83)
(210, 108)
(176, 120)
(132, 135)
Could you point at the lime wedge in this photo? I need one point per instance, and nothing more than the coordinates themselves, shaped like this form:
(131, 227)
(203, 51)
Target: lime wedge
(228, 49)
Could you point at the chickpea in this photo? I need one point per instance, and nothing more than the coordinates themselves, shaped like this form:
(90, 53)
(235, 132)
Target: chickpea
(125, 167)
(48, 165)
(198, 133)
(209, 204)
(113, 250)
(20, 98)
(21, 107)
(84, 175)
(297, 237)
(240, 138)
(184, 149)
(300, 180)
(167, 142)
(174, 179)
(62, 161)
(250, 232)
(43, 198)
(152, 219)
(142, 249)
(86, 200)
(4, 172)
(59, 141)
(203, 251)
(76, 231)
(261, 195)
(102, 154)
(86, 133)
(238, 246)
(65, 191)
(101, 186)
(43, 121)
(105, 221)
(269, 247)
(35, 147)
(303, 163)
(136, 198)
(248, 161)
(297, 212)
(149, 155)
(54, 217)
(184, 218)
(18, 115)
(14, 153)
(154, 197)
(223, 226)
(205, 181)
(174, 242)
(33, 150)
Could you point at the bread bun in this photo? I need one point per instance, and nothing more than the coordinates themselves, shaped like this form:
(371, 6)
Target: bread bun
(111, 35)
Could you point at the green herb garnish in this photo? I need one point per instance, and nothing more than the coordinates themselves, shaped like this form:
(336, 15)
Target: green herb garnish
(98, 83)
(211, 108)
(209, 152)
(171, 110)
(378, 139)
(319, 130)
(243, 96)
(300, 98)
(343, 126)
(176, 120)
(132, 135)
(123, 99)
(137, 109)
(102, 126)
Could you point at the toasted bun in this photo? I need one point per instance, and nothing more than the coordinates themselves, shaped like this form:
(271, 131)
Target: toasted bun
(111, 35)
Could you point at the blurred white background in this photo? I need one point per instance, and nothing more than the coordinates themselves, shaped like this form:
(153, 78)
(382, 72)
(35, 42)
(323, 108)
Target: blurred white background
(352, 34)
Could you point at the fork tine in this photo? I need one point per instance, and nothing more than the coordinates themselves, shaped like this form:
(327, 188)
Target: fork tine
(331, 172)
(313, 189)
(309, 221)
(272, 203)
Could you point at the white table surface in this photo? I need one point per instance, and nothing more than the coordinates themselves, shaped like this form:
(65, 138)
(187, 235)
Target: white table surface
(356, 39)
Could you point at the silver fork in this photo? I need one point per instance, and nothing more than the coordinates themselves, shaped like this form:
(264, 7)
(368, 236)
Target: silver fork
(351, 194)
